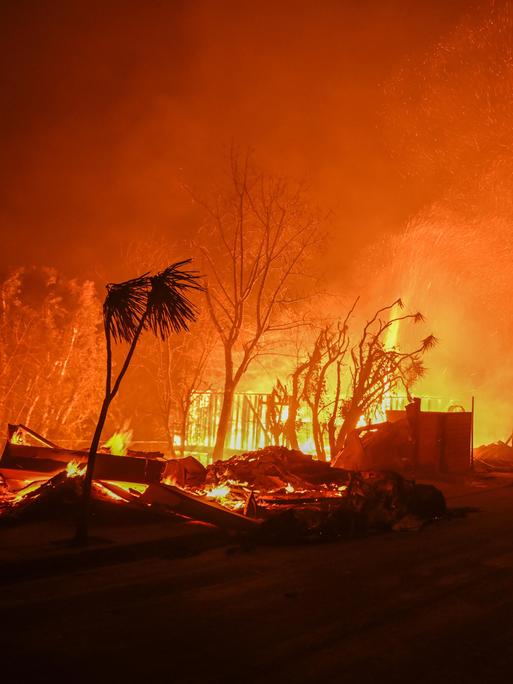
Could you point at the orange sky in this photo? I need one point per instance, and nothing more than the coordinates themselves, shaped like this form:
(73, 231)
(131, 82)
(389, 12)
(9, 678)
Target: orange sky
(107, 107)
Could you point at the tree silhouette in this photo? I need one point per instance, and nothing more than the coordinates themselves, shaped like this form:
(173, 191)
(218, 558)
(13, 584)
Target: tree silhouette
(377, 369)
(157, 303)
(263, 232)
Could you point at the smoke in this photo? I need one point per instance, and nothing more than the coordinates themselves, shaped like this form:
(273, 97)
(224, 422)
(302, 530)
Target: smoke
(459, 276)
(453, 260)
(110, 106)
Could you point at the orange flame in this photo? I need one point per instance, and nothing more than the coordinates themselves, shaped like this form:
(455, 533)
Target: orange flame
(75, 468)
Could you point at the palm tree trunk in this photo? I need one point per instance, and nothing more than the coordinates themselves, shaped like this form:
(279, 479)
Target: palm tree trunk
(83, 515)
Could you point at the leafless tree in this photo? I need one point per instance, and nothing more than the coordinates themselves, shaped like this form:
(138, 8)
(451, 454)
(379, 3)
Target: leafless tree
(329, 350)
(182, 363)
(372, 368)
(376, 370)
(309, 381)
(260, 231)
(278, 398)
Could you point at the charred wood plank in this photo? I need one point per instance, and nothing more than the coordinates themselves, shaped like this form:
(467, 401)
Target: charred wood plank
(140, 469)
(197, 508)
(13, 429)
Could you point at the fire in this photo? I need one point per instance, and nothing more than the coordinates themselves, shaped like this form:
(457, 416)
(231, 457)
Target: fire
(107, 493)
(307, 446)
(231, 494)
(17, 437)
(218, 492)
(75, 468)
(119, 442)
(131, 487)
(22, 493)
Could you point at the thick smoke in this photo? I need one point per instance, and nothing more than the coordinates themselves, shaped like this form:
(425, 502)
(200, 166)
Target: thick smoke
(453, 261)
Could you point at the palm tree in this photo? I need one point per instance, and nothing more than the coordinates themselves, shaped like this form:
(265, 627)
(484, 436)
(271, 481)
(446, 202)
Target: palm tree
(157, 303)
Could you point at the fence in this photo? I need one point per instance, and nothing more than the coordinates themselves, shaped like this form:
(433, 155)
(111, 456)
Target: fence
(250, 427)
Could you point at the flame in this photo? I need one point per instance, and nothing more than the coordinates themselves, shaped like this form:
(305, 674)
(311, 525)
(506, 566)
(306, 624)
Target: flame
(17, 437)
(223, 494)
(75, 468)
(22, 493)
(307, 446)
(218, 492)
(119, 442)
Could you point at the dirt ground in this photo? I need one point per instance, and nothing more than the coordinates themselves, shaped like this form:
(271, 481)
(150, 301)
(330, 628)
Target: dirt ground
(429, 606)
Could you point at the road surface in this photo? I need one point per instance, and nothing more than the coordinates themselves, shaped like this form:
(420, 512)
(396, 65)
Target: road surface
(431, 606)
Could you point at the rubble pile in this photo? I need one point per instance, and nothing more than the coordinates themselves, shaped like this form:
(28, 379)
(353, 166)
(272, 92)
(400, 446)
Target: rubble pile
(297, 496)
(58, 497)
(274, 468)
(496, 457)
(273, 494)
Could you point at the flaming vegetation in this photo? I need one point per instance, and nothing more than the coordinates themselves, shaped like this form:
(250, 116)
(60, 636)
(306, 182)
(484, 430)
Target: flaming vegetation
(50, 352)
(181, 371)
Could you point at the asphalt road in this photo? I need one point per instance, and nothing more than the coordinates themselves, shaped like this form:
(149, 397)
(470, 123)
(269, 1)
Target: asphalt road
(429, 606)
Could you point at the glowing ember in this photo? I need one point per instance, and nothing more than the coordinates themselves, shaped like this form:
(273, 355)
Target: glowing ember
(130, 487)
(231, 494)
(22, 493)
(218, 492)
(106, 493)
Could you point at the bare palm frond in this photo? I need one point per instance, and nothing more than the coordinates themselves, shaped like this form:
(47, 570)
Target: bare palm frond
(124, 307)
(169, 308)
(429, 342)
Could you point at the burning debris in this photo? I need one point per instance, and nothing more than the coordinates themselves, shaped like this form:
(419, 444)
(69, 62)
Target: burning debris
(34, 457)
(271, 494)
(297, 496)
